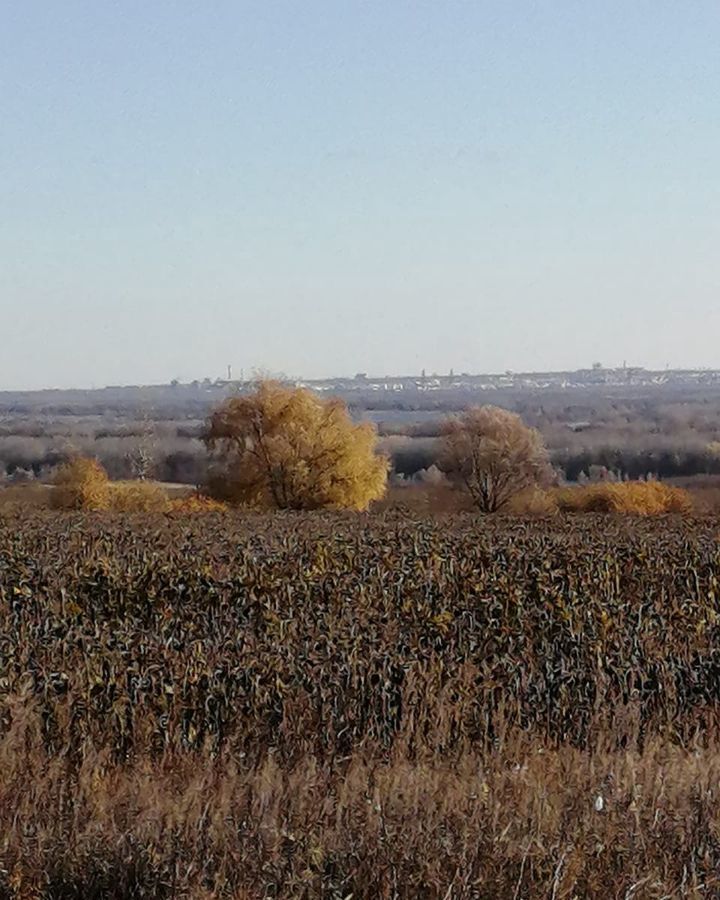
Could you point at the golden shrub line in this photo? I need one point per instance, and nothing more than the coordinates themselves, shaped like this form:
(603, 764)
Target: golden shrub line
(83, 485)
(640, 498)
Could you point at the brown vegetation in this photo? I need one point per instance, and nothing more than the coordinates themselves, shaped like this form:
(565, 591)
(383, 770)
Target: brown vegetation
(196, 504)
(286, 448)
(524, 821)
(533, 502)
(83, 485)
(138, 496)
(308, 706)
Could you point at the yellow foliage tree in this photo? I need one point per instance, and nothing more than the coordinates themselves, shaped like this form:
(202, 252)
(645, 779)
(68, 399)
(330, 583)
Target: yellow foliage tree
(81, 484)
(287, 448)
(493, 455)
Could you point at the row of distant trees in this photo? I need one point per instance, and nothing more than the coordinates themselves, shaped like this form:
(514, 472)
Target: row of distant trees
(152, 446)
(287, 448)
(413, 456)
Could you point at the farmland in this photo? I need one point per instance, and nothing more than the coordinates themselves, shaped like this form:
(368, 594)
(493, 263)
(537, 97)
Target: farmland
(330, 705)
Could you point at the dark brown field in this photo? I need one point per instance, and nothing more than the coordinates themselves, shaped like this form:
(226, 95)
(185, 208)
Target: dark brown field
(370, 707)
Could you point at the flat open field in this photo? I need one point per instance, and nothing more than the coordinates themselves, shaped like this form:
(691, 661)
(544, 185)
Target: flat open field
(367, 706)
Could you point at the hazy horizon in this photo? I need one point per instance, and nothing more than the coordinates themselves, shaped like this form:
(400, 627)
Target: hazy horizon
(248, 377)
(363, 187)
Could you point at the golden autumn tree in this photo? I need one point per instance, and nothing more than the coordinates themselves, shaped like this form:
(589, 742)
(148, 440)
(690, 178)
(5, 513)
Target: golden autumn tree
(493, 455)
(286, 448)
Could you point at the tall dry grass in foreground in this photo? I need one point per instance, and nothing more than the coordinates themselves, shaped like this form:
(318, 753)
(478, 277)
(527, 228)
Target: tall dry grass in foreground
(335, 706)
(525, 821)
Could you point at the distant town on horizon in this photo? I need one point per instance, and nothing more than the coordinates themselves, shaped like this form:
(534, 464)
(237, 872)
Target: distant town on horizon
(594, 376)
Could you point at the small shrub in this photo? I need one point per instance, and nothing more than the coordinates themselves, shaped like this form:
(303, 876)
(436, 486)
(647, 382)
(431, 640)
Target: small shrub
(81, 484)
(639, 498)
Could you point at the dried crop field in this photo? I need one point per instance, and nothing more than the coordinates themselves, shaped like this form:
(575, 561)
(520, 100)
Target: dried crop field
(359, 706)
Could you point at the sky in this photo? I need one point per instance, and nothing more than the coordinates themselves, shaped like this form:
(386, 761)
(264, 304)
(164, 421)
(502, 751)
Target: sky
(322, 188)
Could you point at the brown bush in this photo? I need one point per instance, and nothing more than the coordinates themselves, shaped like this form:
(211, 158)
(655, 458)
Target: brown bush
(81, 484)
(640, 498)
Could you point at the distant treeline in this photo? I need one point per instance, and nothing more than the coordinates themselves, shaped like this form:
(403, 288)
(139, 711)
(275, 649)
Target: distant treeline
(413, 455)
(665, 432)
(180, 457)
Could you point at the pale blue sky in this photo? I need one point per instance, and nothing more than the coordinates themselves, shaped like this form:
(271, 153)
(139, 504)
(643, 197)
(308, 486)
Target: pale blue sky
(382, 186)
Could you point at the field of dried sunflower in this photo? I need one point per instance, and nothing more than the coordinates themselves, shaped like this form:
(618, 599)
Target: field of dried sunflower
(359, 706)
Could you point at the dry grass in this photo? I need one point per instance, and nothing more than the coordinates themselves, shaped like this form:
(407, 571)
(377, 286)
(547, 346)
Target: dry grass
(705, 493)
(424, 500)
(637, 498)
(630, 498)
(30, 497)
(197, 504)
(86, 488)
(528, 821)
(533, 502)
(138, 496)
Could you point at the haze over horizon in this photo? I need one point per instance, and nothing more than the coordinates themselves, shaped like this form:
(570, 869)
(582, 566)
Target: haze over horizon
(371, 377)
(360, 187)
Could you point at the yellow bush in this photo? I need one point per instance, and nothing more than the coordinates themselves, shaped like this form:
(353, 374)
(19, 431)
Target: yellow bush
(195, 504)
(639, 498)
(81, 484)
(138, 496)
